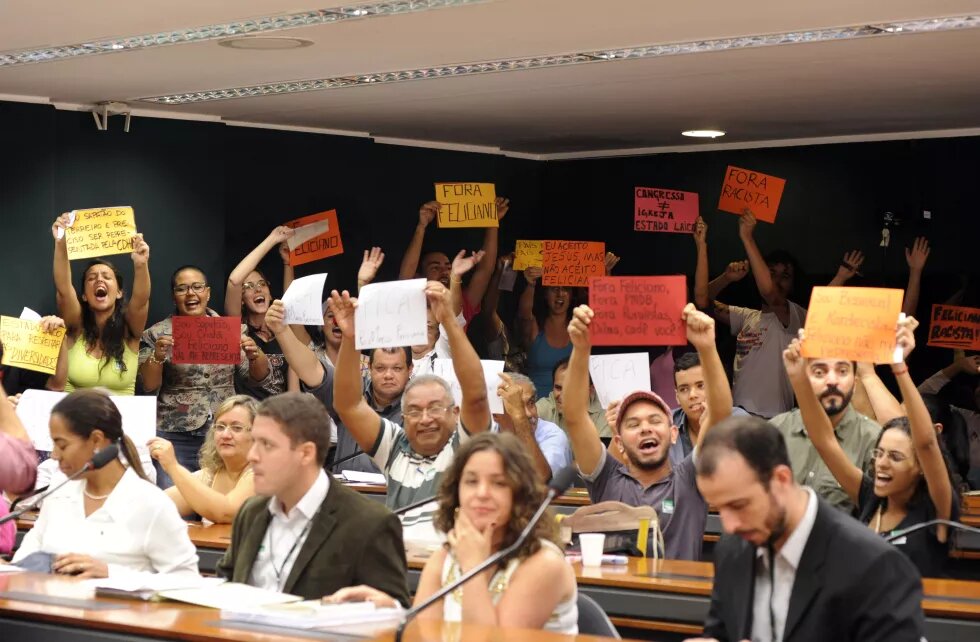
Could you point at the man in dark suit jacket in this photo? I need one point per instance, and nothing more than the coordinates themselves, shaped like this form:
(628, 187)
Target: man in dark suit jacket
(835, 579)
(306, 534)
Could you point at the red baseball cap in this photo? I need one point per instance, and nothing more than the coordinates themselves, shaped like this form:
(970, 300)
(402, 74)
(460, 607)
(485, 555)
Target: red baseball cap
(641, 395)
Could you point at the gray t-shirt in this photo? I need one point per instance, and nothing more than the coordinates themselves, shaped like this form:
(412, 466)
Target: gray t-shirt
(676, 498)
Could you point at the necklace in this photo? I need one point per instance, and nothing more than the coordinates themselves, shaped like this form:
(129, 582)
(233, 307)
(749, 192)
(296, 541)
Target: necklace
(95, 497)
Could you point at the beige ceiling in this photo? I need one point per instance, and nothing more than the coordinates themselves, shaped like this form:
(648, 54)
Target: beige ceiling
(886, 84)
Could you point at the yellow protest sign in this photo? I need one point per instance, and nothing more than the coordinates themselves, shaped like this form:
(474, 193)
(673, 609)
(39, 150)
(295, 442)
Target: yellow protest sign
(855, 324)
(467, 205)
(528, 254)
(26, 345)
(101, 231)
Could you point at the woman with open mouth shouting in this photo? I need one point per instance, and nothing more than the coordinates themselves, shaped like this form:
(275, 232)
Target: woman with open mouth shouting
(248, 294)
(103, 329)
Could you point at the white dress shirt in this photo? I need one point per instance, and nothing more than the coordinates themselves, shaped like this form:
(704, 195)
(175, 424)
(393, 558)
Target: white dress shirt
(787, 561)
(285, 536)
(137, 529)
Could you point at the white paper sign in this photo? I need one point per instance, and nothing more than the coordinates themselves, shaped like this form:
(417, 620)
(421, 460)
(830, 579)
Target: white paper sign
(139, 417)
(617, 375)
(391, 314)
(304, 300)
(444, 368)
(307, 232)
(29, 315)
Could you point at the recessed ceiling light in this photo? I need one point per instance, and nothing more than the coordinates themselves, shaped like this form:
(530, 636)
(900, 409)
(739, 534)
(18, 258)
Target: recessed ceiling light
(264, 43)
(703, 133)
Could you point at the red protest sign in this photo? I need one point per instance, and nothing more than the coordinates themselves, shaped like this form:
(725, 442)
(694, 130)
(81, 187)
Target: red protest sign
(572, 263)
(638, 310)
(756, 191)
(954, 327)
(664, 210)
(321, 246)
(215, 340)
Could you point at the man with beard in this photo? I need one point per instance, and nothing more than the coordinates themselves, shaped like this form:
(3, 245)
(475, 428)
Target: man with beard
(833, 382)
(833, 578)
(643, 436)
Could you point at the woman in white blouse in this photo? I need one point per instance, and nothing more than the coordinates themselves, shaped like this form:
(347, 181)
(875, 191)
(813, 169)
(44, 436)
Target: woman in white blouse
(109, 521)
(225, 480)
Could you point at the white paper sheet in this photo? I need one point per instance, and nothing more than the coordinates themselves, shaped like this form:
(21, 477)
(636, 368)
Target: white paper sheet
(617, 375)
(307, 232)
(444, 368)
(391, 314)
(304, 300)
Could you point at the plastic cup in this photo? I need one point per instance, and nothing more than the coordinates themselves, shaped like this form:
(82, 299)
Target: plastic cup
(591, 544)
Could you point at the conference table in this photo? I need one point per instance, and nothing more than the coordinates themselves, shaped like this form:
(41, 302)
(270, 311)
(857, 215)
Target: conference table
(56, 609)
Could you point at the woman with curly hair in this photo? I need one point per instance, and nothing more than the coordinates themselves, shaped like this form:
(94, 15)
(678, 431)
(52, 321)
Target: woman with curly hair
(103, 330)
(486, 499)
(225, 480)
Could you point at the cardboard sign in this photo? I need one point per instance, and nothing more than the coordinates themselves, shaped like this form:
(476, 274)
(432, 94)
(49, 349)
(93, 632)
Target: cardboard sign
(759, 192)
(572, 263)
(321, 246)
(638, 310)
(954, 327)
(444, 368)
(26, 345)
(139, 417)
(100, 232)
(617, 375)
(528, 254)
(664, 210)
(391, 314)
(467, 205)
(212, 340)
(854, 324)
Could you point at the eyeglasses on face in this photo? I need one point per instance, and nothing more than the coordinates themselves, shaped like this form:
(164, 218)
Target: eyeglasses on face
(184, 288)
(261, 283)
(436, 412)
(234, 428)
(895, 456)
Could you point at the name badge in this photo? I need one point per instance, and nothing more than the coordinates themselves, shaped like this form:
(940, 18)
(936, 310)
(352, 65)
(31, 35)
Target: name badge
(667, 506)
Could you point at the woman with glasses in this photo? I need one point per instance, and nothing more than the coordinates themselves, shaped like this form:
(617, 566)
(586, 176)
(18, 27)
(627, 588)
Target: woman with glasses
(189, 394)
(225, 481)
(248, 294)
(103, 329)
(909, 482)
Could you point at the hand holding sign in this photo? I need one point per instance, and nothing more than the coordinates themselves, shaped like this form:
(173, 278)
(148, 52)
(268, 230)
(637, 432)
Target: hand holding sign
(141, 251)
(700, 328)
(578, 327)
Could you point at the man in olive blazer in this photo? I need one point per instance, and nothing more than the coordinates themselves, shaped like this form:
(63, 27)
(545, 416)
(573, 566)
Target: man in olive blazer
(306, 534)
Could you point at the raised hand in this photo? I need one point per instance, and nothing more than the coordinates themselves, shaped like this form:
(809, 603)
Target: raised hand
(610, 260)
(60, 223)
(737, 270)
(905, 336)
(440, 302)
(578, 327)
(51, 323)
(343, 311)
(612, 412)
(463, 264)
(917, 256)
(428, 212)
(279, 234)
(503, 206)
(746, 224)
(284, 253)
(850, 265)
(141, 251)
(700, 328)
(700, 232)
(275, 316)
(510, 393)
(793, 359)
(369, 266)
(532, 274)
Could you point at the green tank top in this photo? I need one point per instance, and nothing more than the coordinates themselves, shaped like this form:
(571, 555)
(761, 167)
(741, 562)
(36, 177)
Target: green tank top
(86, 371)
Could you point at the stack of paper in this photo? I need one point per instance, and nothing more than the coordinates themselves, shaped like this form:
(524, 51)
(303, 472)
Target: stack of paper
(312, 614)
(230, 595)
(150, 586)
(357, 477)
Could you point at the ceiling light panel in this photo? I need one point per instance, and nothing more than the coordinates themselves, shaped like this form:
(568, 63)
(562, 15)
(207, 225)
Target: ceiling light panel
(899, 29)
(255, 26)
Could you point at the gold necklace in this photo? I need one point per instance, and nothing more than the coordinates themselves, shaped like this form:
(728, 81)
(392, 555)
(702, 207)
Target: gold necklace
(94, 497)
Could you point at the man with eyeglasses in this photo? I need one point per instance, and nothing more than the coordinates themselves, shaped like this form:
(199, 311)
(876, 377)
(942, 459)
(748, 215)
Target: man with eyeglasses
(414, 455)
(833, 382)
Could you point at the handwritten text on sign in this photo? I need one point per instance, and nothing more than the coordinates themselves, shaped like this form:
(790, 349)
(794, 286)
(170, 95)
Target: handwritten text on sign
(853, 324)
(756, 191)
(101, 232)
(617, 375)
(467, 205)
(319, 247)
(527, 254)
(638, 310)
(572, 263)
(664, 210)
(391, 314)
(215, 340)
(26, 345)
(954, 327)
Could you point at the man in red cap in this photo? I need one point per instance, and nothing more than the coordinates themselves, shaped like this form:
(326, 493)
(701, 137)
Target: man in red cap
(643, 435)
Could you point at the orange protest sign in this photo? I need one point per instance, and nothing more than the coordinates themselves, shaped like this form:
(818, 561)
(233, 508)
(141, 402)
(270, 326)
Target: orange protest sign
(638, 310)
(320, 246)
(467, 205)
(756, 191)
(954, 327)
(215, 340)
(572, 263)
(854, 324)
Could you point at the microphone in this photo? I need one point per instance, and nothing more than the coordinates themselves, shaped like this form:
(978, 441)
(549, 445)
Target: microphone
(99, 460)
(421, 502)
(559, 484)
(932, 522)
(346, 459)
